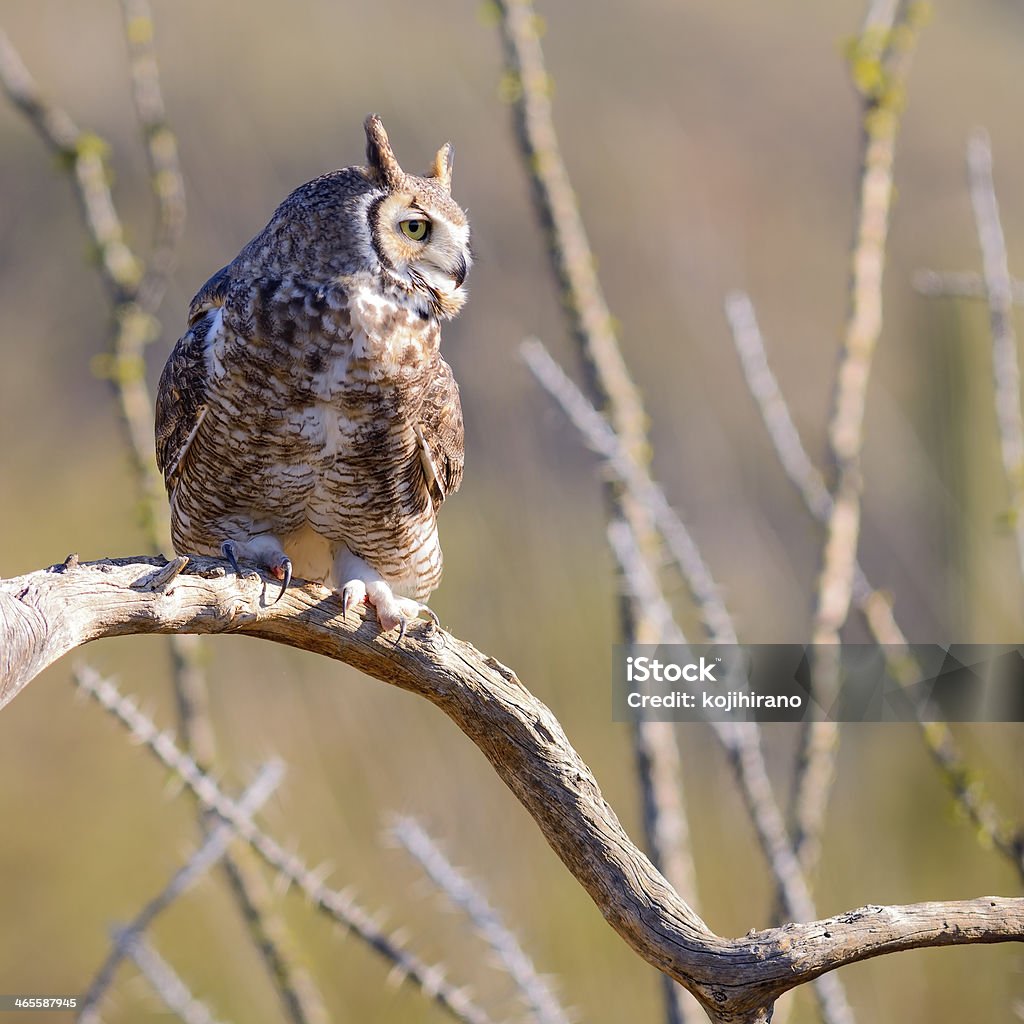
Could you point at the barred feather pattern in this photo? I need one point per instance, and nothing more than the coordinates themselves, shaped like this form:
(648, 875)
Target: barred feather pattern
(308, 404)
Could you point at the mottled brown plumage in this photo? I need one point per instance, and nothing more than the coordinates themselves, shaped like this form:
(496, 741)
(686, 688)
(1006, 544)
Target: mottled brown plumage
(306, 416)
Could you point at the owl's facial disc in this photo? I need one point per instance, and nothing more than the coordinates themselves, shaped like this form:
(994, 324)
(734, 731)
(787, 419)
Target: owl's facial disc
(426, 248)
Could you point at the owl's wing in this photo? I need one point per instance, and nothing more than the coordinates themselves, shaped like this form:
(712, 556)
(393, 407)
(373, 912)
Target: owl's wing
(181, 394)
(441, 435)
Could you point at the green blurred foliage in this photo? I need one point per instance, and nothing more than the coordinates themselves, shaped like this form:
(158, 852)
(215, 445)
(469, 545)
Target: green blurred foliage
(712, 146)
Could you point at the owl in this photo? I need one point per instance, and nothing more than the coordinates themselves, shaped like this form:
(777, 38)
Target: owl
(306, 422)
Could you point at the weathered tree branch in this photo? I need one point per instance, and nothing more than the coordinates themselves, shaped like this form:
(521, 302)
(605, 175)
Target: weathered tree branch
(45, 614)
(741, 742)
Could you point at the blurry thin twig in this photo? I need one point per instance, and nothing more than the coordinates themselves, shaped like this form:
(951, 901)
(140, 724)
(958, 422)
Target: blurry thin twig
(213, 848)
(270, 935)
(1005, 364)
(338, 906)
(273, 939)
(875, 606)
(640, 581)
(83, 155)
(879, 64)
(764, 387)
(161, 151)
(166, 983)
(654, 743)
(775, 414)
(741, 742)
(599, 436)
(533, 988)
(960, 284)
(135, 325)
(135, 294)
(607, 379)
(527, 85)
(641, 585)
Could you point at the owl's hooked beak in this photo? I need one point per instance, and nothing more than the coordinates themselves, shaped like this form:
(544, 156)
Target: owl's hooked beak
(461, 270)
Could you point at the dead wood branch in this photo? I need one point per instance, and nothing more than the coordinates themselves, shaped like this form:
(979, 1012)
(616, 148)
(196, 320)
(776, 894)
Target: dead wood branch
(48, 613)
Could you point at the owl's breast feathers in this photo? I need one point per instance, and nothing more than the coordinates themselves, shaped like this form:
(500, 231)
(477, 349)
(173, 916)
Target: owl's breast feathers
(265, 361)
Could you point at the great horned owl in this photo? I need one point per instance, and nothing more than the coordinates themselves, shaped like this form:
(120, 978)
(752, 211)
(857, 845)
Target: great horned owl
(306, 418)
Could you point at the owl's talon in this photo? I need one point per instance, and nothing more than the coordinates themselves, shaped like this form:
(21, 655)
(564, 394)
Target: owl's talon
(285, 571)
(354, 592)
(419, 611)
(227, 549)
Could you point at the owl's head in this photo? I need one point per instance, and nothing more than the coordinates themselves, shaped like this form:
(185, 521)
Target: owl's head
(419, 233)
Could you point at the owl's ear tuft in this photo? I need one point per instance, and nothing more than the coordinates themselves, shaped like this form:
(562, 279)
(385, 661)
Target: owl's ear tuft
(384, 165)
(442, 168)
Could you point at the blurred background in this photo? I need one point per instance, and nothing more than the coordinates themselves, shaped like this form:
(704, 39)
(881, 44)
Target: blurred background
(713, 146)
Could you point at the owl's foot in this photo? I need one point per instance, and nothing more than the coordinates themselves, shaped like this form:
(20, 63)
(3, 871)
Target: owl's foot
(269, 555)
(397, 611)
(391, 610)
(364, 583)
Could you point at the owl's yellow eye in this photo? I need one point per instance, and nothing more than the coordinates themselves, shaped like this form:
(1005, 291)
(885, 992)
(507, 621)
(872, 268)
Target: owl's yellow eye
(416, 228)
